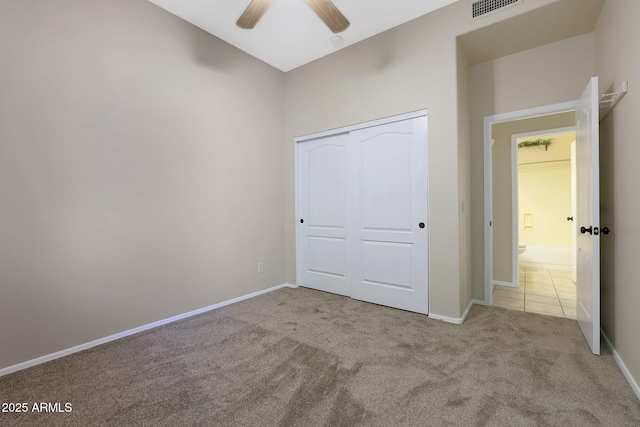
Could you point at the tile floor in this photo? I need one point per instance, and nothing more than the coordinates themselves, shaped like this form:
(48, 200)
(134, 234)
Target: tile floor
(542, 291)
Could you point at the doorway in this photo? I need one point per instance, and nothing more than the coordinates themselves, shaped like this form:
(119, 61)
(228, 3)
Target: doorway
(544, 116)
(543, 206)
(587, 209)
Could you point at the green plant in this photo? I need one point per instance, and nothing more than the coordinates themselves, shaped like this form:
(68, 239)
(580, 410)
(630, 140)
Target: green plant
(536, 143)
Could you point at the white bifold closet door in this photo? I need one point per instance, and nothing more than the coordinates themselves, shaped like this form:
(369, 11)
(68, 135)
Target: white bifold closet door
(362, 202)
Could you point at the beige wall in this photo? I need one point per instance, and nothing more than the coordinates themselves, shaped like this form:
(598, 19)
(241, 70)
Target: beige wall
(551, 74)
(544, 194)
(544, 191)
(617, 41)
(383, 76)
(140, 171)
(464, 150)
(503, 185)
(559, 149)
(146, 167)
(410, 67)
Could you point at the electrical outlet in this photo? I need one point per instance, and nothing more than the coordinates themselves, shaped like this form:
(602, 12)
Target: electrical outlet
(260, 267)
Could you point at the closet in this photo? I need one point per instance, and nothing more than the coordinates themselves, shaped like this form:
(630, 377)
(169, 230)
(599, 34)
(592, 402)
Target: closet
(362, 226)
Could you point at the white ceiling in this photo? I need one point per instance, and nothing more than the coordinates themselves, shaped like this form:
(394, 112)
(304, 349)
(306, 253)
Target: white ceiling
(290, 34)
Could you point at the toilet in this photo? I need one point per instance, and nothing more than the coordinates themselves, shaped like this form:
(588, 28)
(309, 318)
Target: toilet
(521, 248)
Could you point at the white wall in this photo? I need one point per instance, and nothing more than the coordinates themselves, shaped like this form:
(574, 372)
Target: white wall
(140, 171)
(617, 41)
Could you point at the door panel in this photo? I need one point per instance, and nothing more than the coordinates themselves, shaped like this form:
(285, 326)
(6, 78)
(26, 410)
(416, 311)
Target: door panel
(327, 255)
(322, 202)
(391, 194)
(386, 182)
(326, 185)
(588, 216)
(386, 264)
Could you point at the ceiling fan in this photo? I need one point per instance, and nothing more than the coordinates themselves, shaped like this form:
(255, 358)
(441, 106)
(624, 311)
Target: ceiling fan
(326, 10)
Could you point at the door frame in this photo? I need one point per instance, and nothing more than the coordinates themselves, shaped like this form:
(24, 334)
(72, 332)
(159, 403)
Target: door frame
(489, 121)
(362, 125)
(342, 130)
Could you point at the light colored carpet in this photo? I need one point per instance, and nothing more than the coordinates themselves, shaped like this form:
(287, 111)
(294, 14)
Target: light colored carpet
(298, 357)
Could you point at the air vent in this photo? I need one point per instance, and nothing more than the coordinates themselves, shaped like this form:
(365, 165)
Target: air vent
(482, 7)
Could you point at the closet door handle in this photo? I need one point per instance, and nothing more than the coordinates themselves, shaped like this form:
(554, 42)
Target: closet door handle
(584, 230)
(421, 225)
(569, 218)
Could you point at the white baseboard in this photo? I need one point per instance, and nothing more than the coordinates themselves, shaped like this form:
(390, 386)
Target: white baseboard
(632, 382)
(81, 347)
(507, 284)
(446, 318)
(454, 320)
(466, 312)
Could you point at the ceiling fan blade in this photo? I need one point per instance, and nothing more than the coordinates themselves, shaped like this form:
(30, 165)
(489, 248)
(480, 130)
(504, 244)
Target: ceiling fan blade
(330, 14)
(253, 13)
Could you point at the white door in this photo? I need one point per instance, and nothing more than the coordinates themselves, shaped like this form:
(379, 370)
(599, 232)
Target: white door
(588, 216)
(362, 214)
(574, 234)
(322, 204)
(390, 240)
